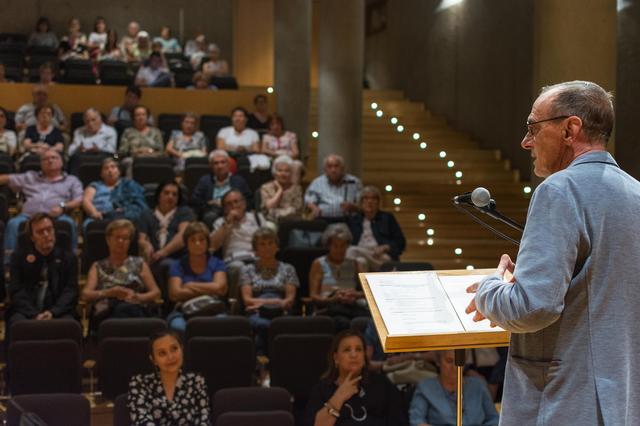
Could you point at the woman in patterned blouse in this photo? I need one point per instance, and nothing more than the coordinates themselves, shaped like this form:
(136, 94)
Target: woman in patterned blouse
(268, 286)
(120, 285)
(168, 396)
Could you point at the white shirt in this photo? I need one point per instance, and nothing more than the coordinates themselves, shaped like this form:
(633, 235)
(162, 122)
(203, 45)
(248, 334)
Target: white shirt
(234, 140)
(105, 139)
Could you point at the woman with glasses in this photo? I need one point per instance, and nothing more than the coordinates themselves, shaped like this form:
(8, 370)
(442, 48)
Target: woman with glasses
(348, 394)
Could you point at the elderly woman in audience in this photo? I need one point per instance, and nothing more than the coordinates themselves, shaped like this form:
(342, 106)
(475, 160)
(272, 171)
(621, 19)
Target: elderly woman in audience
(8, 140)
(43, 36)
(43, 135)
(277, 142)
(196, 274)
(113, 197)
(121, 285)
(141, 140)
(215, 66)
(377, 236)
(168, 396)
(196, 50)
(237, 137)
(333, 279)
(434, 400)
(281, 198)
(169, 44)
(187, 142)
(268, 286)
(74, 44)
(349, 394)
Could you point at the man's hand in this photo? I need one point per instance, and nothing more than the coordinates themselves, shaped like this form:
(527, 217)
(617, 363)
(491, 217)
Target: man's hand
(157, 256)
(314, 210)
(380, 250)
(505, 265)
(46, 315)
(234, 217)
(97, 215)
(56, 211)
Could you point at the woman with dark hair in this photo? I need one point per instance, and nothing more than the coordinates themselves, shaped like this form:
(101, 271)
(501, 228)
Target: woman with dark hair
(73, 45)
(43, 135)
(349, 394)
(187, 142)
(8, 140)
(162, 229)
(43, 36)
(111, 51)
(141, 140)
(168, 396)
(98, 37)
(120, 285)
(238, 137)
(279, 141)
(196, 274)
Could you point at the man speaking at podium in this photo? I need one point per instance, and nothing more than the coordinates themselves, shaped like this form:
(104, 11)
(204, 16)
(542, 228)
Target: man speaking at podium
(574, 300)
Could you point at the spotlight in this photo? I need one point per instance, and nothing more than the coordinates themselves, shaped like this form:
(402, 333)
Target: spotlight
(470, 268)
(379, 113)
(374, 105)
(394, 120)
(416, 136)
(450, 164)
(269, 89)
(397, 201)
(315, 134)
(458, 174)
(527, 190)
(422, 216)
(430, 241)
(400, 128)
(388, 188)
(430, 232)
(458, 251)
(423, 145)
(442, 154)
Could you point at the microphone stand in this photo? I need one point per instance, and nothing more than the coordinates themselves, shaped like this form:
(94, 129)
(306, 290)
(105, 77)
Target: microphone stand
(492, 212)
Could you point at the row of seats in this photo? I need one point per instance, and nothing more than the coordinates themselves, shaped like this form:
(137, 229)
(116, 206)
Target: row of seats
(242, 406)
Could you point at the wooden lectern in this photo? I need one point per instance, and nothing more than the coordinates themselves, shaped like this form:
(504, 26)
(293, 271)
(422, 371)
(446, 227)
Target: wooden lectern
(424, 311)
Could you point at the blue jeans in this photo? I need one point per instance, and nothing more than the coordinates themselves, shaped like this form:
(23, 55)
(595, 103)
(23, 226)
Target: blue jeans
(13, 225)
(260, 328)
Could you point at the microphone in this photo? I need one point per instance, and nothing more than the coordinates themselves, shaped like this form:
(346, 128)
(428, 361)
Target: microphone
(479, 197)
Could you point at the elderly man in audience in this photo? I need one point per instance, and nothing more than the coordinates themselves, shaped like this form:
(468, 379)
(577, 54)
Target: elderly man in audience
(377, 236)
(94, 138)
(281, 198)
(234, 234)
(208, 193)
(44, 278)
(127, 42)
(153, 72)
(333, 195)
(26, 114)
(49, 191)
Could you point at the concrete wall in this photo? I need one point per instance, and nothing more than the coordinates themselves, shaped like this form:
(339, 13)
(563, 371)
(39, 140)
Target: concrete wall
(470, 61)
(213, 17)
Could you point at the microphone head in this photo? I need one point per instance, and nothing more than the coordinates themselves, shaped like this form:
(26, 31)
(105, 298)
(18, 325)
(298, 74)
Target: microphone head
(480, 197)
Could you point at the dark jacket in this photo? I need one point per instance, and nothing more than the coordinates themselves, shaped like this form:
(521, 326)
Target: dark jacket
(385, 230)
(203, 192)
(62, 291)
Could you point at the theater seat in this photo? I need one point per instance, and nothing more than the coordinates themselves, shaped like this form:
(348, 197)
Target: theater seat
(53, 409)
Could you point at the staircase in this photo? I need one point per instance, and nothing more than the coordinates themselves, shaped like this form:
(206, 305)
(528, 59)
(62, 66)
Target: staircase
(420, 167)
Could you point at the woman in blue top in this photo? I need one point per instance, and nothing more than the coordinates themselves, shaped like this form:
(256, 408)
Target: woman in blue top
(195, 274)
(434, 401)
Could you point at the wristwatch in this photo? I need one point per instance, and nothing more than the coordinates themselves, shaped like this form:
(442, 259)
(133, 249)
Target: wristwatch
(62, 205)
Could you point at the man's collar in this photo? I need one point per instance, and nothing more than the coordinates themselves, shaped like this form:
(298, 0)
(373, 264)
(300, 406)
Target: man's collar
(598, 156)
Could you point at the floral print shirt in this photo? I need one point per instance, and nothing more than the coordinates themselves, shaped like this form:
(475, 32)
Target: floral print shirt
(149, 406)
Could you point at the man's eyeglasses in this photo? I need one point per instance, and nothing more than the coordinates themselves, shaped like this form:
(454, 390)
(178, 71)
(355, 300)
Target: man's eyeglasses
(531, 123)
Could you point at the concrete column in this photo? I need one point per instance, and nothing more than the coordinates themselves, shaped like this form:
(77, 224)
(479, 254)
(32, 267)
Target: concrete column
(628, 87)
(341, 62)
(292, 45)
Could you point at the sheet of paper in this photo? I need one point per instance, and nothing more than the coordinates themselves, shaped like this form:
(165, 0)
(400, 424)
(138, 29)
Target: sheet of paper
(456, 288)
(413, 303)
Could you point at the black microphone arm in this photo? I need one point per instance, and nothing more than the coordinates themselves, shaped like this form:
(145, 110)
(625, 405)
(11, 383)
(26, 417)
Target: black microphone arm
(480, 199)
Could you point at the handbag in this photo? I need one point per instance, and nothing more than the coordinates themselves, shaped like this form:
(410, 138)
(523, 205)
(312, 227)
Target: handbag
(270, 311)
(203, 306)
(304, 238)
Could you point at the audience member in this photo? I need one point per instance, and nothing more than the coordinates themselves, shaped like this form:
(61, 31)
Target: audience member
(43, 36)
(121, 117)
(278, 142)
(119, 286)
(434, 400)
(94, 138)
(50, 191)
(281, 198)
(195, 50)
(333, 279)
(47, 74)
(186, 143)
(196, 274)
(113, 197)
(8, 140)
(333, 195)
(111, 50)
(259, 119)
(169, 44)
(168, 396)
(43, 135)
(237, 137)
(3, 75)
(26, 114)
(162, 229)
(377, 235)
(234, 234)
(127, 43)
(215, 66)
(349, 394)
(98, 37)
(44, 277)
(141, 49)
(153, 73)
(268, 286)
(74, 44)
(208, 193)
(201, 82)
(141, 140)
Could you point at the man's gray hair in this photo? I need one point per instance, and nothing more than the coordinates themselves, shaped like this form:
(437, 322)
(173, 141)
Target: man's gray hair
(93, 110)
(282, 159)
(339, 158)
(371, 190)
(586, 100)
(218, 153)
(338, 231)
